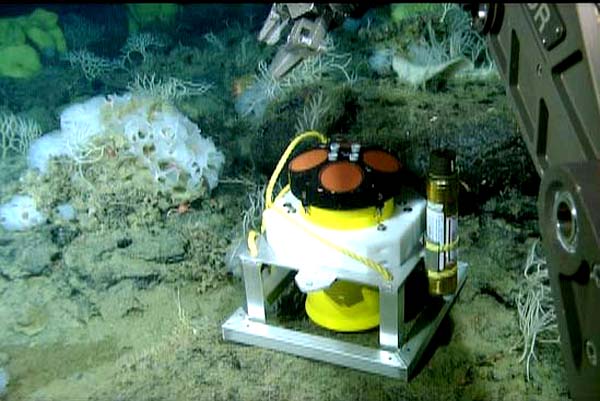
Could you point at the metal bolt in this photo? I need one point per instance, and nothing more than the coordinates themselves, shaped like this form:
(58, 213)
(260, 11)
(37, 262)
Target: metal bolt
(289, 207)
(595, 274)
(590, 352)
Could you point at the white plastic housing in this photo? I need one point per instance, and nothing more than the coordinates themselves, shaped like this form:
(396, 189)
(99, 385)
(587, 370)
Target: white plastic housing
(290, 239)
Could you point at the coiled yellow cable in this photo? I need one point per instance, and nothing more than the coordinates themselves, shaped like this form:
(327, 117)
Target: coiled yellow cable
(283, 161)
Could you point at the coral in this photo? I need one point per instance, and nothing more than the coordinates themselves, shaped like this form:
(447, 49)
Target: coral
(91, 65)
(266, 88)
(313, 114)
(139, 43)
(135, 51)
(463, 40)
(252, 214)
(536, 310)
(214, 40)
(430, 58)
(253, 101)
(322, 66)
(170, 89)
(16, 133)
(460, 40)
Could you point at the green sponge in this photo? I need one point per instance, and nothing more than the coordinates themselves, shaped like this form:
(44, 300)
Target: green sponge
(11, 32)
(22, 37)
(140, 15)
(41, 28)
(20, 61)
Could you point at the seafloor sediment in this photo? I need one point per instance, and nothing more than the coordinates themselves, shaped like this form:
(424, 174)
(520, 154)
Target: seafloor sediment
(105, 323)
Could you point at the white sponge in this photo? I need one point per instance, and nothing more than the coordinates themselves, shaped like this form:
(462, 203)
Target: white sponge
(20, 213)
(45, 147)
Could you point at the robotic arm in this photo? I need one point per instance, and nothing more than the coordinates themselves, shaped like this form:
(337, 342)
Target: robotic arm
(306, 38)
(549, 58)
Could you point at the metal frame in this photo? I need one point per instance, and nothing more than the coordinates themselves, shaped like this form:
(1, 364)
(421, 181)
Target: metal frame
(397, 354)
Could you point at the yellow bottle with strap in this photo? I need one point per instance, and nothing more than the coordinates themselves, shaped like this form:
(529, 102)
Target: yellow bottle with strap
(441, 239)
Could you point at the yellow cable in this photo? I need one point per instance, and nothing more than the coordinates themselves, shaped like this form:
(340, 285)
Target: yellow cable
(283, 160)
(252, 243)
(253, 235)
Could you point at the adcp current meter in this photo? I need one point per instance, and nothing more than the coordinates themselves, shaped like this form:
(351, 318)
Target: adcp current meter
(351, 236)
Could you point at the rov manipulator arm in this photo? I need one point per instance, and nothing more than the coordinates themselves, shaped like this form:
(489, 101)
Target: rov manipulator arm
(549, 58)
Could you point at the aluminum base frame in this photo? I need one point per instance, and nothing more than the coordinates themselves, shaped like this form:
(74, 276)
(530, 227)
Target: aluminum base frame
(398, 353)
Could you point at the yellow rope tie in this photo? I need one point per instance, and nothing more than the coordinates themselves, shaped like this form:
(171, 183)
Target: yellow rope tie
(370, 263)
(434, 247)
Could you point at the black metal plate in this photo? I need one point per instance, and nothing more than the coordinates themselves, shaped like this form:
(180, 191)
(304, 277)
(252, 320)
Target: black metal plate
(547, 22)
